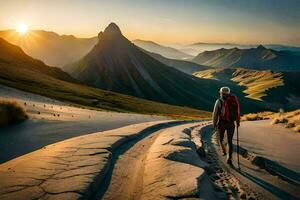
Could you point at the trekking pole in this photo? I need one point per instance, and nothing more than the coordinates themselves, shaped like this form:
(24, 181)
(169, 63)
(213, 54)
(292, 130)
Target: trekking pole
(238, 147)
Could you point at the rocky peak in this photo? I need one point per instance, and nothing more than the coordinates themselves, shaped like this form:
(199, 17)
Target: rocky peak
(112, 29)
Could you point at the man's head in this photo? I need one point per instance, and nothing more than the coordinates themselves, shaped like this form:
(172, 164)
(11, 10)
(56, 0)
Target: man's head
(224, 91)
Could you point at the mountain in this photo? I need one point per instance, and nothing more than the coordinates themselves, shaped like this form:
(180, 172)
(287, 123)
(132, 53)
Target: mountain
(21, 71)
(274, 89)
(118, 65)
(181, 65)
(165, 51)
(51, 48)
(254, 58)
(14, 62)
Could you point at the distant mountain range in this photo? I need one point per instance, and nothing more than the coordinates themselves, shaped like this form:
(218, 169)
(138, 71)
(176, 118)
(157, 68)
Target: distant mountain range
(60, 50)
(254, 58)
(21, 71)
(165, 51)
(196, 48)
(119, 66)
(181, 65)
(51, 48)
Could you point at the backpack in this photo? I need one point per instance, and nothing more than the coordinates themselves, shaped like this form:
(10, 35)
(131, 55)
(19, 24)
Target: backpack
(231, 108)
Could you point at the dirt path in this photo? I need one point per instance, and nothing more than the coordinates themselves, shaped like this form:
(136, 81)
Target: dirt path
(251, 182)
(127, 176)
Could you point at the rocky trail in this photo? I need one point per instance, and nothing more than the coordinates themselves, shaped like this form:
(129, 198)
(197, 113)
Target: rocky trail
(154, 160)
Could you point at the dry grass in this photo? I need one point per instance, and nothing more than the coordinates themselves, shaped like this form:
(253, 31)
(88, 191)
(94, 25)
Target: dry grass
(207, 74)
(289, 119)
(257, 82)
(11, 112)
(257, 116)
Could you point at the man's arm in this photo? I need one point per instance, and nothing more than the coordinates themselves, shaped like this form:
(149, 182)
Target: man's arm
(215, 116)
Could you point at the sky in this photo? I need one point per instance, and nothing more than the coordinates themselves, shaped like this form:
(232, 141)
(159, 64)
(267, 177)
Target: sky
(163, 21)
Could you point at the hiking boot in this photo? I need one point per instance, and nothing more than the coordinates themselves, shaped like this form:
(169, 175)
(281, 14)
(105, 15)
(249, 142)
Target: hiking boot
(229, 162)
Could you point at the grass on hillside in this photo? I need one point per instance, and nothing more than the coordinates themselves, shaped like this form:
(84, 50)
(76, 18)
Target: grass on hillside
(207, 74)
(11, 112)
(256, 82)
(289, 119)
(77, 94)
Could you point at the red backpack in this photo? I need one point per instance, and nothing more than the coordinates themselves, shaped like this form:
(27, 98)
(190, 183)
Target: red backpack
(231, 109)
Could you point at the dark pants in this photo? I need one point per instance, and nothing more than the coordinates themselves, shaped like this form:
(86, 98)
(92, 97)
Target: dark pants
(229, 128)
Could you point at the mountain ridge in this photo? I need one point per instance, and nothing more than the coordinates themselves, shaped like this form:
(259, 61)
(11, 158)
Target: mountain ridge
(50, 47)
(253, 58)
(165, 51)
(182, 65)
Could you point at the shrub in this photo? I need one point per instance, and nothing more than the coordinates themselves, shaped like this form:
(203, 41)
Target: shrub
(275, 121)
(281, 119)
(11, 112)
(290, 125)
(257, 116)
(289, 119)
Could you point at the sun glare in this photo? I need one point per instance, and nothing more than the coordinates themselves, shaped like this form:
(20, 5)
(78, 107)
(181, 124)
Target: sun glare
(22, 28)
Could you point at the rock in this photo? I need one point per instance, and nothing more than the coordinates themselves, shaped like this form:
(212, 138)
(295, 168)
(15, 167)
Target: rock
(184, 143)
(201, 152)
(173, 169)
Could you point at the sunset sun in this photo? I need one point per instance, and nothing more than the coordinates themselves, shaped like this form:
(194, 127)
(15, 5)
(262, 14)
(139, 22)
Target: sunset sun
(22, 28)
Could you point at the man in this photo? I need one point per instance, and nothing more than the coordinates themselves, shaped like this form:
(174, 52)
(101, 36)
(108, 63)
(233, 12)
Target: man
(226, 112)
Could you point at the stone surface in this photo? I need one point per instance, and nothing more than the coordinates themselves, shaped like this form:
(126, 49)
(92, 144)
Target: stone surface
(69, 169)
(173, 169)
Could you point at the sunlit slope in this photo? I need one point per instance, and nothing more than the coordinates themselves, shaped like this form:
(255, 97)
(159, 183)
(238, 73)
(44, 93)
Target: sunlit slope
(279, 88)
(257, 82)
(51, 48)
(23, 72)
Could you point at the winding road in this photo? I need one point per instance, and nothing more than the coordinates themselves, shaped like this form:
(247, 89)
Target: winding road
(53, 121)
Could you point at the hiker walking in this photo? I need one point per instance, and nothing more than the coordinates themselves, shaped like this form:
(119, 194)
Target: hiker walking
(226, 112)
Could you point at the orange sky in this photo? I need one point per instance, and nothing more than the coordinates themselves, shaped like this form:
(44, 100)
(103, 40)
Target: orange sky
(269, 21)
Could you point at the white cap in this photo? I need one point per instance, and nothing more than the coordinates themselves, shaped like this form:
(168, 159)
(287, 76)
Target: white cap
(225, 90)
